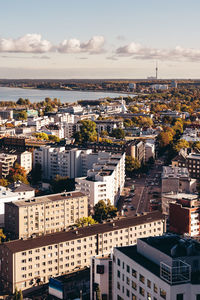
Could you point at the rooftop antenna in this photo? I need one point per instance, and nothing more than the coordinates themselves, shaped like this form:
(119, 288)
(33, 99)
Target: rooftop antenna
(156, 70)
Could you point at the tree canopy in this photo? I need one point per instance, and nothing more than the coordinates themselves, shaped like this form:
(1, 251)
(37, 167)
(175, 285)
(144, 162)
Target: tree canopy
(103, 211)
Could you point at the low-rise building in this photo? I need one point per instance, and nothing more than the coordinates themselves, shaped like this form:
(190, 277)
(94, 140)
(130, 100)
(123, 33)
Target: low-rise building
(165, 267)
(172, 197)
(6, 162)
(177, 180)
(27, 263)
(184, 216)
(22, 190)
(45, 214)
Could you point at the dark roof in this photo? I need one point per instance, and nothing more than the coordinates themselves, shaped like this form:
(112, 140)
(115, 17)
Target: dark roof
(20, 187)
(54, 238)
(179, 158)
(131, 252)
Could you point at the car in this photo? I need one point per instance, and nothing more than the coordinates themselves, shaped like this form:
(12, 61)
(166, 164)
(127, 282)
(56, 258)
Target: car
(132, 207)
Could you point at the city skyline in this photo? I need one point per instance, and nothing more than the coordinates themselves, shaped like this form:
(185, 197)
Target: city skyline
(99, 40)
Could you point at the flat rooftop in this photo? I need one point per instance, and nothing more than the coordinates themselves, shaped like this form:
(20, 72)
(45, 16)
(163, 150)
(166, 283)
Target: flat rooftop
(174, 172)
(64, 236)
(180, 196)
(48, 198)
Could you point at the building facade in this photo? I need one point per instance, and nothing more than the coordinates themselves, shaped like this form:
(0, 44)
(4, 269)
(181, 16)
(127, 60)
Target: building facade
(44, 215)
(27, 263)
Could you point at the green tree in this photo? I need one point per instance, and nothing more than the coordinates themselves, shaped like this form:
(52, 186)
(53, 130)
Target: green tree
(61, 184)
(85, 221)
(53, 138)
(87, 131)
(4, 182)
(131, 164)
(17, 295)
(118, 133)
(103, 211)
(36, 173)
(21, 101)
(41, 136)
(48, 108)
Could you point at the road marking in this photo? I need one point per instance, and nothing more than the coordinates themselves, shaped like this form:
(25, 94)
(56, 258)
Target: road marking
(140, 199)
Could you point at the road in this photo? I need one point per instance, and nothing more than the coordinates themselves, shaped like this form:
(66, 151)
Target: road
(147, 187)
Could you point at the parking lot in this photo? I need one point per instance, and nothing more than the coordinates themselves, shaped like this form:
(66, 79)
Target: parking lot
(144, 193)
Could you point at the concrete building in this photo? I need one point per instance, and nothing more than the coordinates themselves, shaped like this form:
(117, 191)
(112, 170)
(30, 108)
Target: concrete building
(22, 190)
(46, 214)
(105, 181)
(184, 216)
(172, 197)
(165, 267)
(27, 263)
(136, 149)
(6, 114)
(176, 180)
(149, 150)
(108, 125)
(25, 160)
(58, 161)
(101, 275)
(6, 162)
(190, 161)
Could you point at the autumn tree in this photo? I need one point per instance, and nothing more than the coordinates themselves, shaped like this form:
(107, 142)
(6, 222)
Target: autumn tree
(180, 144)
(118, 133)
(131, 164)
(17, 173)
(85, 221)
(87, 131)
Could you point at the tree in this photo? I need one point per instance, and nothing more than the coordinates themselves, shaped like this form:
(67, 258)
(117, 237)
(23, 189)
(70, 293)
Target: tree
(21, 101)
(4, 182)
(87, 131)
(118, 133)
(48, 108)
(103, 211)
(22, 115)
(85, 221)
(180, 145)
(61, 184)
(17, 295)
(17, 173)
(36, 173)
(41, 136)
(164, 138)
(53, 138)
(131, 164)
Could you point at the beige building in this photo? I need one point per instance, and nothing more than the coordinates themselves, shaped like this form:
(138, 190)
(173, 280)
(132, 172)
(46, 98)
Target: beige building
(46, 214)
(27, 263)
(6, 162)
(25, 160)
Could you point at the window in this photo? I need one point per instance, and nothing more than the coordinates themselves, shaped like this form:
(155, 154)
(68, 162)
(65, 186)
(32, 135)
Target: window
(155, 288)
(134, 297)
(134, 285)
(148, 283)
(141, 290)
(179, 297)
(127, 269)
(118, 274)
(127, 280)
(118, 262)
(134, 273)
(127, 293)
(197, 296)
(148, 296)
(142, 279)
(162, 293)
(118, 285)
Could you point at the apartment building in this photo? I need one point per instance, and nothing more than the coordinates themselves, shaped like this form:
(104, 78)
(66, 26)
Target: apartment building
(6, 162)
(177, 179)
(27, 263)
(58, 161)
(108, 125)
(172, 197)
(105, 181)
(44, 215)
(165, 267)
(184, 216)
(136, 150)
(190, 161)
(25, 160)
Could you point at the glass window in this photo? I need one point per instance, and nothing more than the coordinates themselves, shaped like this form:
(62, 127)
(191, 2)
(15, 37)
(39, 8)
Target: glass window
(141, 290)
(148, 283)
(142, 279)
(127, 280)
(127, 293)
(180, 297)
(134, 285)
(127, 269)
(118, 262)
(162, 293)
(155, 288)
(134, 273)
(148, 296)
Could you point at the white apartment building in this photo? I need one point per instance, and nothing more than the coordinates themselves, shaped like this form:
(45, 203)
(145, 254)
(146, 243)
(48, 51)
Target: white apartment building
(164, 267)
(149, 150)
(105, 181)
(25, 160)
(45, 214)
(6, 162)
(58, 161)
(63, 117)
(39, 122)
(30, 262)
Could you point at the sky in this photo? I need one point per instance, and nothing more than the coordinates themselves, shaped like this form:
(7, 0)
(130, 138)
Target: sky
(99, 38)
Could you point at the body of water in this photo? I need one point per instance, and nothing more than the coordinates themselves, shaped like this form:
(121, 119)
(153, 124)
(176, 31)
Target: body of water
(36, 95)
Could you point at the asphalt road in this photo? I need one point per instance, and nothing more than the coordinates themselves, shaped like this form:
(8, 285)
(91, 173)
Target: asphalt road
(147, 187)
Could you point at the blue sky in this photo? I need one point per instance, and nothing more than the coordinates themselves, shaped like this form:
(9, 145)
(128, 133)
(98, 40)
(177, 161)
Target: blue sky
(96, 39)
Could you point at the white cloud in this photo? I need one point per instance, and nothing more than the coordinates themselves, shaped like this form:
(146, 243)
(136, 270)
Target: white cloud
(33, 43)
(93, 46)
(29, 43)
(137, 51)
